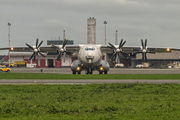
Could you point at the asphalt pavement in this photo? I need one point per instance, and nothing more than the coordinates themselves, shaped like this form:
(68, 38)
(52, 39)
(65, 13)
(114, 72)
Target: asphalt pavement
(111, 71)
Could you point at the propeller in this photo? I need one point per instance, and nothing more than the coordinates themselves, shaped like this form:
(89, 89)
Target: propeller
(62, 50)
(117, 51)
(35, 49)
(143, 50)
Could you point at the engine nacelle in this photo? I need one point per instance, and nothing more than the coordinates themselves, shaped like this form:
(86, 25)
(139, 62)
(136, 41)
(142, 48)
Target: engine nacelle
(75, 66)
(103, 66)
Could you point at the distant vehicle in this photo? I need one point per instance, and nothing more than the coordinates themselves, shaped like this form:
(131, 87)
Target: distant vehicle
(119, 65)
(5, 69)
(145, 65)
(30, 65)
(12, 65)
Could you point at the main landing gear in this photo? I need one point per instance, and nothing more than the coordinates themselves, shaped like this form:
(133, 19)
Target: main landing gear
(100, 72)
(74, 72)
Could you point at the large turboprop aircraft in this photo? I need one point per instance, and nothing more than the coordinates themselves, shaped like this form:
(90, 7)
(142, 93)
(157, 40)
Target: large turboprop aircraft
(89, 55)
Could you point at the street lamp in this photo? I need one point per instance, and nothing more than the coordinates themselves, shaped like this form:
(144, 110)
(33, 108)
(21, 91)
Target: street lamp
(105, 30)
(9, 24)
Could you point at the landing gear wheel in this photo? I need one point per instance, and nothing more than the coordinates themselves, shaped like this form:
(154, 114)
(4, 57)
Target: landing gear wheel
(87, 72)
(105, 72)
(74, 72)
(90, 71)
(100, 72)
(79, 72)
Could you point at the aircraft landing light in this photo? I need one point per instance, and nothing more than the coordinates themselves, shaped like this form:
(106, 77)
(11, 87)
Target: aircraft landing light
(78, 68)
(12, 48)
(101, 68)
(168, 49)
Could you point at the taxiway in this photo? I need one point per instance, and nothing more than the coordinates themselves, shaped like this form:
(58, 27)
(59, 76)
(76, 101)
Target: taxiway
(111, 71)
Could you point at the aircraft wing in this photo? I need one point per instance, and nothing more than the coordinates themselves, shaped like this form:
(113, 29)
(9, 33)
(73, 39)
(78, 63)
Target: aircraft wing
(134, 49)
(45, 49)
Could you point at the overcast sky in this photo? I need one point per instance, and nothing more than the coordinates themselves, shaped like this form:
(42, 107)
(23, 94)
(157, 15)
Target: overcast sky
(156, 20)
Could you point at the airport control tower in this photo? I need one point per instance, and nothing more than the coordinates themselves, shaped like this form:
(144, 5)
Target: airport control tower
(91, 31)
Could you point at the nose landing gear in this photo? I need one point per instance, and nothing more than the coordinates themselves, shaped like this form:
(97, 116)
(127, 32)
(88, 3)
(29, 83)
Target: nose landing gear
(89, 71)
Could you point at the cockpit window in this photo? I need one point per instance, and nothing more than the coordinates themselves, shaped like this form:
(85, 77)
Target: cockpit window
(90, 49)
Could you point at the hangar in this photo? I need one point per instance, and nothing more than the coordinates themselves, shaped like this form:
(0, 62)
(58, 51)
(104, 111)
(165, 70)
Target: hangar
(159, 60)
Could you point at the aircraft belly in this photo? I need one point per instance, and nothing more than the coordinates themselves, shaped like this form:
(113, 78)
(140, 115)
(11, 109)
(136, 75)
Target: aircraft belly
(92, 65)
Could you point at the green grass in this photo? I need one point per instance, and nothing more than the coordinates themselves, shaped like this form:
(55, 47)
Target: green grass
(94, 76)
(89, 102)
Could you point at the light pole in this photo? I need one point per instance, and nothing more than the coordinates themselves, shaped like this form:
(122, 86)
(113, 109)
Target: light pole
(105, 30)
(9, 24)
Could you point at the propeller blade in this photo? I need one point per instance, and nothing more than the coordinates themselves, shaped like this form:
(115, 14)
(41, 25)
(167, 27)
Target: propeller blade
(112, 56)
(112, 46)
(145, 43)
(69, 53)
(117, 58)
(54, 46)
(145, 58)
(142, 44)
(30, 46)
(40, 44)
(32, 56)
(124, 54)
(64, 43)
(37, 43)
(120, 43)
(152, 52)
(64, 56)
(59, 56)
(41, 54)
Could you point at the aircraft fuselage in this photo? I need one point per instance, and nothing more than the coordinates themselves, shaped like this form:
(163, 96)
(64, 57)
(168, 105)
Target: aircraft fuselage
(90, 55)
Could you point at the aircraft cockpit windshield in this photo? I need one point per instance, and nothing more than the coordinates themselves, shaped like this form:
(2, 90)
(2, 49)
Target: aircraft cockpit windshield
(89, 49)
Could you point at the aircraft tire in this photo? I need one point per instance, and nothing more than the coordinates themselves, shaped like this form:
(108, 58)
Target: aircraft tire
(105, 72)
(100, 72)
(74, 72)
(79, 72)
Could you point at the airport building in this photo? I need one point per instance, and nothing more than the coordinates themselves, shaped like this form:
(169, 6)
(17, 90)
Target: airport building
(159, 60)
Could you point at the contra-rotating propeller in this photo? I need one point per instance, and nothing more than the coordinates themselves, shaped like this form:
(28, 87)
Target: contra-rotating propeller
(35, 50)
(62, 50)
(144, 51)
(117, 51)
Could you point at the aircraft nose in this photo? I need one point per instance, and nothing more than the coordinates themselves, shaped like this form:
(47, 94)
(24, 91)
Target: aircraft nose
(89, 55)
